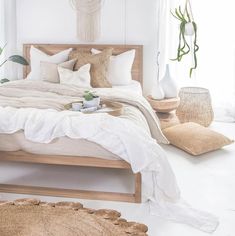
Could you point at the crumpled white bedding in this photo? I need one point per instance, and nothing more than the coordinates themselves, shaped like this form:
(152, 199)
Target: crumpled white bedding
(123, 138)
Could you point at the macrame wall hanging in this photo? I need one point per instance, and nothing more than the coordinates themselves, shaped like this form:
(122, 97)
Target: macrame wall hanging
(88, 19)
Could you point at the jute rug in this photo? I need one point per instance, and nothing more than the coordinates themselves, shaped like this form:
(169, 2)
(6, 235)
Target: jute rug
(30, 217)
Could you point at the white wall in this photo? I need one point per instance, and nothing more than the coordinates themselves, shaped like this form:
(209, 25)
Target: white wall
(54, 21)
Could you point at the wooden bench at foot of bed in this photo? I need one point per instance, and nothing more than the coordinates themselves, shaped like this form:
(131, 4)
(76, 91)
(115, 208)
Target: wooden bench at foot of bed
(23, 157)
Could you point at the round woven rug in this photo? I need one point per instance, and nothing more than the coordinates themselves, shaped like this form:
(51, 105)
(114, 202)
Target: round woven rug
(27, 217)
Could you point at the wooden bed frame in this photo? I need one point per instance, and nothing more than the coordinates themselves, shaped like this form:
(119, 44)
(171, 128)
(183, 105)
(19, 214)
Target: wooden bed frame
(23, 157)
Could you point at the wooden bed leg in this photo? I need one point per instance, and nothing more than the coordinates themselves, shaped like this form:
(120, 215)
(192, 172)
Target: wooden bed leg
(138, 188)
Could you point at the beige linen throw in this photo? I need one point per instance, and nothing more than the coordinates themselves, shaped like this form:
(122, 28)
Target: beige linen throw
(43, 95)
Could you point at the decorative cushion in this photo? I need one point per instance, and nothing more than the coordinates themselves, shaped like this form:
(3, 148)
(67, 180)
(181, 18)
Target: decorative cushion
(195, 139)
(80, 78)
(99, 66)
(37, 56)
(120, 67)
(49, 71)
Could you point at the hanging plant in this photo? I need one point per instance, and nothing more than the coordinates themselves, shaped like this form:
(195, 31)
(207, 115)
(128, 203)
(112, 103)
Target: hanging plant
(188, 27)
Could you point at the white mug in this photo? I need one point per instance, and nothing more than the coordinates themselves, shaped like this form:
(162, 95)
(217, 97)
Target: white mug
(76, 106)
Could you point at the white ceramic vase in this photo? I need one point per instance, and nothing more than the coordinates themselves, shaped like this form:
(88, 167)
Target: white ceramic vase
(189, 29)
(169, 85)
(157, 91)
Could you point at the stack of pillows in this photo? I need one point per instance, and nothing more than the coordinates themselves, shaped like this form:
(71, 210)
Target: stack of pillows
(97, 69)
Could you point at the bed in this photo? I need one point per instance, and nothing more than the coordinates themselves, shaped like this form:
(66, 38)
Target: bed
(109, 160)
(129, 142)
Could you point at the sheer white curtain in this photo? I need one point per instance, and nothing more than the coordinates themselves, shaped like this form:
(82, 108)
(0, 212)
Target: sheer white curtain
(164, 33)
(216, 32)
(2, 31)
(8, 34)
(216, 68)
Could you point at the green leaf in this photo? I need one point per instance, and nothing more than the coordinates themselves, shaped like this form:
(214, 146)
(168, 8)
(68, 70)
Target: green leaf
(178, 15)
(2, 81)
(88, 96)
(195, 49)
(18, 59)
(175, 16)
(2, 49)
(181, 13)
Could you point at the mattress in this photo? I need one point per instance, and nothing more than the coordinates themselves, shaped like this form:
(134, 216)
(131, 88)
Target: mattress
(62, 146)
(134, 86)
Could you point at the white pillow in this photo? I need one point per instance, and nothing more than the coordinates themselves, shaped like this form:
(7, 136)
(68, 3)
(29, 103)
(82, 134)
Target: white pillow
(37, 56)
(80, 77)
(120, 66)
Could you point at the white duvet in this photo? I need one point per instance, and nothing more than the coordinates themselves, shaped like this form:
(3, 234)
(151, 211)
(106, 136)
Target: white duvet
(35, 108)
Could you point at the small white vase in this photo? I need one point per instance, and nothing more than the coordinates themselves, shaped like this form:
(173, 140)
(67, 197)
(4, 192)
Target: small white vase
(189, 29)
(157, 91)
(95, 102)
(169, 85)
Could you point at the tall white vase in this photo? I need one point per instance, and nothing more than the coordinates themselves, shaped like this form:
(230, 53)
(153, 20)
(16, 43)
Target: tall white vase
(157, 91)
(169, 85)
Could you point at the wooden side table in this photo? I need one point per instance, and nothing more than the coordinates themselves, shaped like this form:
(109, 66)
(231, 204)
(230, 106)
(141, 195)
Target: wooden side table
(165, 105)
(165, 110)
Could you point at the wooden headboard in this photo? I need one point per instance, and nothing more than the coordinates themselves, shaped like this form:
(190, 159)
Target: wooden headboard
(137, 69)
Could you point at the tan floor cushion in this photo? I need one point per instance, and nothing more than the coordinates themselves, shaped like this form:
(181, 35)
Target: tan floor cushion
(195, 139)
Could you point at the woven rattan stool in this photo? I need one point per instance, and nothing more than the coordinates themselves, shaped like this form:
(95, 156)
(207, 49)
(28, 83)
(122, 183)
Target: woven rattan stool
(195, 106)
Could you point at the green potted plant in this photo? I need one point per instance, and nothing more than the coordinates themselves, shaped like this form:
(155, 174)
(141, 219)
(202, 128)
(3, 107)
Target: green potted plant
(188, 28)
(90, 99)
(14, 58)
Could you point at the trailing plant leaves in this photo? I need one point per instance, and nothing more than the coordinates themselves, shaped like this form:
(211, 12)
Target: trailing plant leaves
(18, 59)
(195, 49)
(182, 15)
(183, 46)
(175, 16)
(178, 14)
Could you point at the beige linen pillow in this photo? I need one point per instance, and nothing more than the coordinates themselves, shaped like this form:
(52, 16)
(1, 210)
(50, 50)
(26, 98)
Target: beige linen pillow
(36, 56)
(99, 66)
(195, 139)
(49, 71)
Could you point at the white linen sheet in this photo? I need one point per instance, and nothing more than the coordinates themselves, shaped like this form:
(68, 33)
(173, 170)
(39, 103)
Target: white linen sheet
(134, 86)
(120, 136)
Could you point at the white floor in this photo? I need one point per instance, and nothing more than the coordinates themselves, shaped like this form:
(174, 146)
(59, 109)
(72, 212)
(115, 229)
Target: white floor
(207, 183)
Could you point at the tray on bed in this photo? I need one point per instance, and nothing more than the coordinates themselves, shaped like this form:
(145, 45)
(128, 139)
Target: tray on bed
(112, 108)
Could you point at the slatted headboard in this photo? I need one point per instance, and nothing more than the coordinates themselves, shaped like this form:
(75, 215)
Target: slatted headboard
(137, 69)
